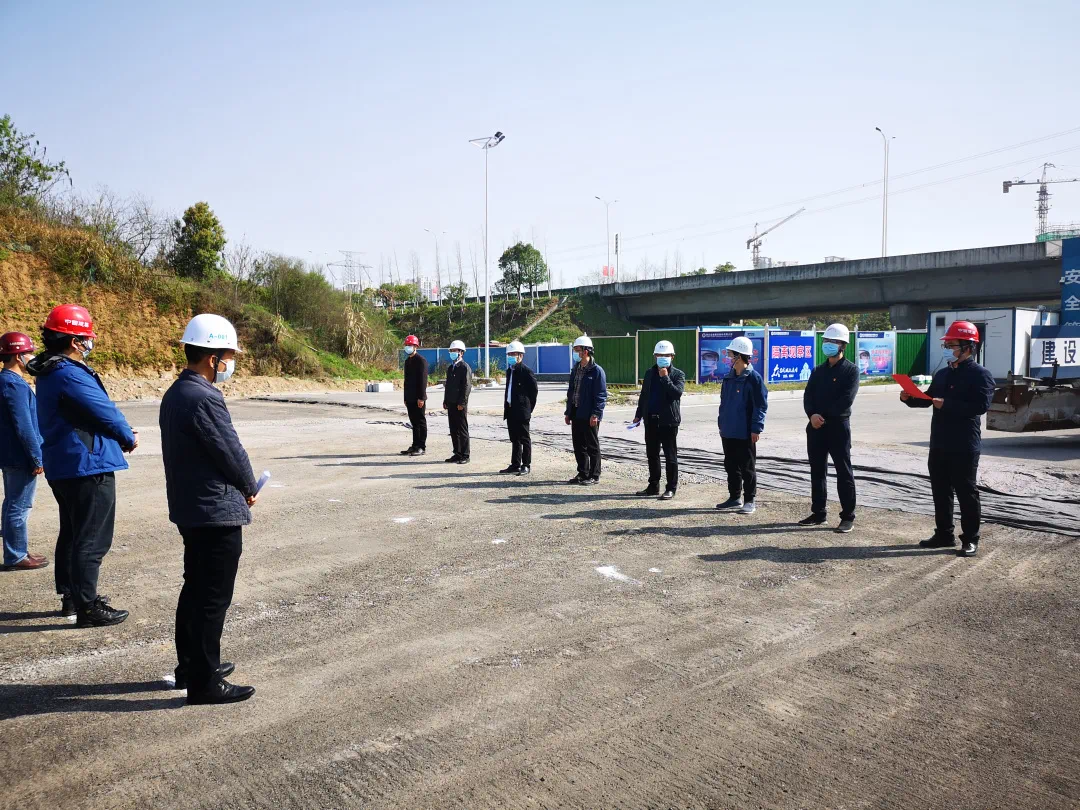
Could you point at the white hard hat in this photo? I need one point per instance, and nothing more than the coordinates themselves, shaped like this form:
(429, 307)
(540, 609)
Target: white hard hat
(515, 347)
(585, 341)
(742, 345)
(210, 332)
(457, 344)
(664, 347)
(837, 331)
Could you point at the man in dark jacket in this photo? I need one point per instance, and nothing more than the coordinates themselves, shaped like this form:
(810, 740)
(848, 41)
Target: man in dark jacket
(416, 382)
(518, 404)
(741, 420)
(456, 402)
(210, 487)
(84, 438)
(960, 394)
(20, 452)
(659, 405)
(827, 400)
(585, 400)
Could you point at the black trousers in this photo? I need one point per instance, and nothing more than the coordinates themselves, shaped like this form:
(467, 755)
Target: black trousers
(955, 473)
(211, 557)
(459, 431)
(657, 436)
(418, 420)
(87, 512)
(520, 442)
(740, 463)
(586, 447)
(833, 439)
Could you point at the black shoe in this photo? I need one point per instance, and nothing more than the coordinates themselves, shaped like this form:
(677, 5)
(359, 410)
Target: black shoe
(226, 669)
(417, 451)
(938, 542)
(649, 490)
(577, 479)
(814, 520)
(220, 692)
(99, 614)
(453, 459)
(407, 452)
(590, 481)
(67, 607)
(464, 460)
(509, 470)
(524, 471)
(668, 495)
(731, 503)
(968, 549)
(845, 526)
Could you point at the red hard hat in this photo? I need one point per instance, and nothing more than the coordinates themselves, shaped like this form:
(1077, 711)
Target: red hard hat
(15, 343)
(412, 340)
(962, 330)
(71, 319)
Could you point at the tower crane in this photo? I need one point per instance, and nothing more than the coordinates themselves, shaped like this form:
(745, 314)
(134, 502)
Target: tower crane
(754, 242)
(1043, 205)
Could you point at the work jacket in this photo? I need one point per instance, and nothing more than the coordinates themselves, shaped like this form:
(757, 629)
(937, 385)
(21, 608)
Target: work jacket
(831, 390)
(592, 396)
(20, 439)
(744, 399)
(82, 430)
(967, 389)
(522, 390)
(208, 476)
(458, 385)
(671, 391)
(416, 377)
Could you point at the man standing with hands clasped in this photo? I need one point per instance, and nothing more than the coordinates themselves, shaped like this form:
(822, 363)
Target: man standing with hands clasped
(827, 400)
(960, 394)
(416, 381)
(456, 402)
(743, 403)
(586, 397)
(210, 487)
(521, 391)
(659, 406)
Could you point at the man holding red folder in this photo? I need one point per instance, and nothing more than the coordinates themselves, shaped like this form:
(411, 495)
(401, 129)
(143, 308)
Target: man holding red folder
(960, 394)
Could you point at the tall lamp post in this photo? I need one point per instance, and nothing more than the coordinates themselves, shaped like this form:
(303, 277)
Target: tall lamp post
(607, 226)
(436, 235)
(487, 144)
(885, 196)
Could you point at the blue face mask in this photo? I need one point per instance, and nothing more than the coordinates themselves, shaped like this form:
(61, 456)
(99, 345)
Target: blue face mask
(510, 360)
(410, 349)
(830, 349)
(948, 355)
(577, 357)
(663, 362)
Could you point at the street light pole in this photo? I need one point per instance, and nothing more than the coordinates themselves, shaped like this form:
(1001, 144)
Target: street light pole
(437, 272)
(607, 226)
(487, 144)
(885, 196)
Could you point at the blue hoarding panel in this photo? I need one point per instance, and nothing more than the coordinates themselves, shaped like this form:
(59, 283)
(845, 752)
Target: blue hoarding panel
(553, 360)
(1070, 282)
(531, 356)
(791, 356)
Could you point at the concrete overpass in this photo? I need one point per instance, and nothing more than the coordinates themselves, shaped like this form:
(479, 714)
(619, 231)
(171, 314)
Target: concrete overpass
(907, 286)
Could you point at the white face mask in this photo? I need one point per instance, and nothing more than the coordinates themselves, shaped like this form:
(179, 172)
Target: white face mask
(87, 347)
(222, 376)
(410, 349)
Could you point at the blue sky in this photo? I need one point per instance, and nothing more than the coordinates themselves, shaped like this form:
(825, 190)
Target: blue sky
(337, 125)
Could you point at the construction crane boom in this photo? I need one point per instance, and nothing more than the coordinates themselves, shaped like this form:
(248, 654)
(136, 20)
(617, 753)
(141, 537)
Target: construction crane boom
(1042, 207)
(754, 242)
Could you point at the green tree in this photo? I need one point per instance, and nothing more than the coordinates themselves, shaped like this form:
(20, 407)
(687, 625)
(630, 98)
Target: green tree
(200, 243)
(26, 176)
(726, 267)
(701, 271)
(457, 293)
(874, 321)
(522, 265)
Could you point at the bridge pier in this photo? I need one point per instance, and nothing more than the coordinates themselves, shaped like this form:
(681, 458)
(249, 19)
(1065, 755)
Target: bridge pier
(908, 316)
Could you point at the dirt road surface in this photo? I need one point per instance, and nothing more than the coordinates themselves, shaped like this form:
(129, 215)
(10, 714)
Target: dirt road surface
(427, 635)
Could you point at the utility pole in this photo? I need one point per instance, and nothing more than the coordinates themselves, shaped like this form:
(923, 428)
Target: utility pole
(607, 228)
(487, 144)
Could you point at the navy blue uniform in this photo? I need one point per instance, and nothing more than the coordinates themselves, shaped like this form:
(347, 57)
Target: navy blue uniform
(829, 393)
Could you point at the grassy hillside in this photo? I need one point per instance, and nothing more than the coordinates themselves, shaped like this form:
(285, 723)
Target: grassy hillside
(437, 326)
(139, 312)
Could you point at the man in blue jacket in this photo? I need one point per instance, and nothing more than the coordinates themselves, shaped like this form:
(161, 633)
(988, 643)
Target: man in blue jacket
(960, 394)
(585, 400)
(743, 403)
(20, 452)
(84, 438)
(210, 488)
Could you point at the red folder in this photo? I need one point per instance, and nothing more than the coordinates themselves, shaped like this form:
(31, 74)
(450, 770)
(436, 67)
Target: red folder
(909, 387)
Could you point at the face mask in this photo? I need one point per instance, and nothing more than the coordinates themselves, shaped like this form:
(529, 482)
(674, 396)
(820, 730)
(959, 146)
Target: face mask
(948, 355)
(222, 376)
(735, 359)
(577, 357)
(663, 362)
(457, 357)
(87, 347)
(410, 349)
(510, 360)
(830, 349)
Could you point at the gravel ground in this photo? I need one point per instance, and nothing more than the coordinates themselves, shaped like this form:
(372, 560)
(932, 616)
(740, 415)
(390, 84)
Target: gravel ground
(427, 635)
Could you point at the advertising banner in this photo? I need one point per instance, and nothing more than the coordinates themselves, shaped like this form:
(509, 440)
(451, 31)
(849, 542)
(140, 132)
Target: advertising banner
(791, 356)
(875, 353)
(1070, 282)
(713, 362)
